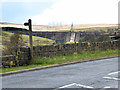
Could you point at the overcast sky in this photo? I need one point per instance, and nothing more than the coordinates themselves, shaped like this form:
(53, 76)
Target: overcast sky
(44, 12)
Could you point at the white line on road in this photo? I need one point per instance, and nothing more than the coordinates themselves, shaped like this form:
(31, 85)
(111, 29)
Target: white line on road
(68, 85)
(107, 87)
(113, 73)
(83, 86)
(111, 78)
(76, 85)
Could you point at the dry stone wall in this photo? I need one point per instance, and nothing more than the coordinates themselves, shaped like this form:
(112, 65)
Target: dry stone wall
(62, 49)
(8, 61)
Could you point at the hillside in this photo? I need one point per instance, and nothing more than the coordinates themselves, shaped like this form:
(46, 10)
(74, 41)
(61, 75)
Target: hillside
(78, 27)
(36, 40)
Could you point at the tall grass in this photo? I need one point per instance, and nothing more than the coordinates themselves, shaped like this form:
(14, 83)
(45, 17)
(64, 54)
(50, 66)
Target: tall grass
(39, 62)
(73, 57)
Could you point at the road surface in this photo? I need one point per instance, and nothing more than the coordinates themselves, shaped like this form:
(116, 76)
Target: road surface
(94, 74)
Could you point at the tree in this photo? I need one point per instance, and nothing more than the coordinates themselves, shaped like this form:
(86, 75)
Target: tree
(13, 45)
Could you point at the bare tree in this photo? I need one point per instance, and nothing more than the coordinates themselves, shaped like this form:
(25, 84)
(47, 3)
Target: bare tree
(13, 45)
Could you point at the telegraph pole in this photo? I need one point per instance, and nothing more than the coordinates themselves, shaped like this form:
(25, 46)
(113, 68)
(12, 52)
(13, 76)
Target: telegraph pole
(29, 24)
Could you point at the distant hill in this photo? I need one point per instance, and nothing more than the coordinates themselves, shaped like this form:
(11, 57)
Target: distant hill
(77, 27)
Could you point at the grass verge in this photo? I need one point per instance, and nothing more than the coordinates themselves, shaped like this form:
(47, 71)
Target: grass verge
(39, 62)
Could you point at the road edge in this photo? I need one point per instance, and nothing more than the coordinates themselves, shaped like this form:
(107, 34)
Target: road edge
(56, 65)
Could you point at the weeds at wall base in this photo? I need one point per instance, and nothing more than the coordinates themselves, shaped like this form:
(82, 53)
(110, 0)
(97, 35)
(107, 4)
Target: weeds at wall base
(45, 61)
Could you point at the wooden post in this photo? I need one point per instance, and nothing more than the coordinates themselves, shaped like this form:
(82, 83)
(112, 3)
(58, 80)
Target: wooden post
(29, 23)
(30, 37)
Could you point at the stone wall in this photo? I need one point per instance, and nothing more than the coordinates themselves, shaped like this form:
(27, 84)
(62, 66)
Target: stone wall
(8, 61)
(24, 56)
(62, 49)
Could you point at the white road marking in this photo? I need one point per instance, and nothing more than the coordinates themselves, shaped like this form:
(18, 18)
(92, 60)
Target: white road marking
(111, 78)
(68, 85)
(107, 87)
(83, 86)
(76, 85)
(113, 73)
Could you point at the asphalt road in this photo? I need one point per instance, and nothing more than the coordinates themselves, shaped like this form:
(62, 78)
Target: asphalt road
(94, 74)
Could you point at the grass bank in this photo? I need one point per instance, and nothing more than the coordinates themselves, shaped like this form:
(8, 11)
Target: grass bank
(39, 62)
(36, 40)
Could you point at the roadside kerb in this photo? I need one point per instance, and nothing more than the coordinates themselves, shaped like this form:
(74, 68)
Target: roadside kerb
(55, 65)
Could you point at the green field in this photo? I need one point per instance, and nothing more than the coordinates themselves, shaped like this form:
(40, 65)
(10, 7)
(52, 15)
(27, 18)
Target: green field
(36, 40)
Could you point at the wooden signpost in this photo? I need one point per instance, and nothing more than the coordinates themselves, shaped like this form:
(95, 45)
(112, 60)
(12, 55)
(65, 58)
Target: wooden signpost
(29, 24)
